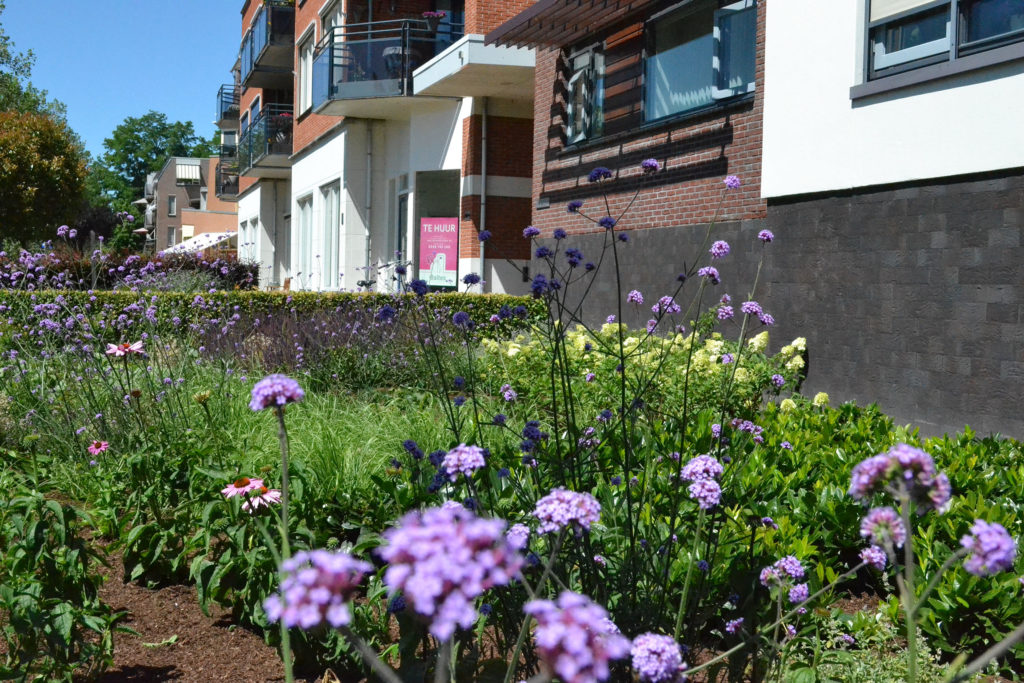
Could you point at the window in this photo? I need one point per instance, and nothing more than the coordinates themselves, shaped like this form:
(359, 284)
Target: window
(698, 55)
(585, 99)
(170, 235)
(172, 206)
(243, 123)
(187, 232)
(202, 199)
(331, 195)
(306, 74)
(908, 34)
(305, 245)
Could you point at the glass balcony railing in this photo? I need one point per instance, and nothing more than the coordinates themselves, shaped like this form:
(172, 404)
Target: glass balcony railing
(270, 135)
(376, 59)
(266, 56)
(227, 104)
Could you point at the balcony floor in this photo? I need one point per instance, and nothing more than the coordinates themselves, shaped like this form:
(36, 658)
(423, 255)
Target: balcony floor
(395, 108)
(471, 69)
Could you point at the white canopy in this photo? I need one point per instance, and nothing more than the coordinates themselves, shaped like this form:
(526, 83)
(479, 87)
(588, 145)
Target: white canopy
(203, 240)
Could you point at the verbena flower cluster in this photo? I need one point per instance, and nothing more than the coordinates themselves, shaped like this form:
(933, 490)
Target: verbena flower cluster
(573, 639)
(562, 508)
(902, 467)
(316, 587)
(703, 471)
(884, 527)
(657, 658)
(275, 390)
(992, 549)
(463, 460)
(443, 559)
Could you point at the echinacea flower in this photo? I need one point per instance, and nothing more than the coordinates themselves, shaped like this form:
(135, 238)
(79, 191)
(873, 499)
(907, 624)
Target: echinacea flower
(97, 447)
(316, 587)
(573, 639)
(261, 497)
(125, 349)
(242, 486)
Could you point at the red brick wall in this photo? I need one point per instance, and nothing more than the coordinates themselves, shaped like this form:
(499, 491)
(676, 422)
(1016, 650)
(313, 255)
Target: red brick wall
(308, 126)
(508, 154)
(695, 154)
(483, 16)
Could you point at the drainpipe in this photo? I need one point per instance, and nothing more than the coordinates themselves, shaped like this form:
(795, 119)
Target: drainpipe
(369, 191)
(483, 183)
(273, 243)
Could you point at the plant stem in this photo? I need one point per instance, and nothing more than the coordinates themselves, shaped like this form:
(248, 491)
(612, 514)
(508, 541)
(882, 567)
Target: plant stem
(286, 552)
(370, 657)
(443, 656)
(689, 572)
(909, 598)
(524, 629)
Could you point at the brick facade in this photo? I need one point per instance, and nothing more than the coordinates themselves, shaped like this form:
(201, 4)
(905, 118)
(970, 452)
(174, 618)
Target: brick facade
(483, 16)
(695, 152)
(508, 155)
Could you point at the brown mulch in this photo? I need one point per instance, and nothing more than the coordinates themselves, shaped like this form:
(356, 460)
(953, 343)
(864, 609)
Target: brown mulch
(203, 648)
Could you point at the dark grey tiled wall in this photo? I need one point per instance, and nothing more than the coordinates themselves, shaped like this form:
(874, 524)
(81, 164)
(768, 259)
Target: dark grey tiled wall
(910, 297)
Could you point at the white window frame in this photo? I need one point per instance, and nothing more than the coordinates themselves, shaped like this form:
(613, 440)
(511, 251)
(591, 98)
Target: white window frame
(330, 234)
(583, 77)
(720, 93)
(306, 44)
(172, 205)
(304, 239)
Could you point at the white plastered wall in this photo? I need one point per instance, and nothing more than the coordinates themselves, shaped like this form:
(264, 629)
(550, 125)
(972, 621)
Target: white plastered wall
(323, 165)
(817, 139)
(249, 208)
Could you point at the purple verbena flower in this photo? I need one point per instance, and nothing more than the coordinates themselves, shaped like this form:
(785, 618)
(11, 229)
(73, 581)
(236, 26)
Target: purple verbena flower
(316, 587)
(607, 222)
(463, 460)
(574, 206)
(274, 391)
(635, 297)
(765, 236)
(707, 493)
(562, 507)
(732, 182)
(902, 467)
(572, 640)
(874, 557)
(884, 527)
(734, 625)
(700, 468)
(518, 536)
(798, 593)
(650, 165)
(992, 549)
(656, 658)
(719, 249)
(725, 313)
(666, 306)
(778, 380)
(711, 273)
(483, 235)
(530, 232)
(508, 393)
(443, 559)
(599, 173)
(751, 308)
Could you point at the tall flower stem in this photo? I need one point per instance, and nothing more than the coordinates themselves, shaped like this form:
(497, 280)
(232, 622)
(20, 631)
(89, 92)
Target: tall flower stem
(910, 602)
(444, 656)
(286, 552)
(689, 573)
(525, 628)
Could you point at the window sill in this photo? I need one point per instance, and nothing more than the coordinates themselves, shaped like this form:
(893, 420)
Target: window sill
(936, 72)
(651, 127)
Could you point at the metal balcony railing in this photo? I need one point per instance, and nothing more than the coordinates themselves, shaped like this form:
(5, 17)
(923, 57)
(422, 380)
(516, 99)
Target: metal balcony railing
(267, 46)
(269, 134)
(226, 180)
(376, 59)
(227, 104)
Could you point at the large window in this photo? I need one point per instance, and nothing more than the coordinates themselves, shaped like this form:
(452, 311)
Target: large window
(306, 74)
(908, 34)
(305, 242)
(585, 98)
(331, 195)
(697, 55)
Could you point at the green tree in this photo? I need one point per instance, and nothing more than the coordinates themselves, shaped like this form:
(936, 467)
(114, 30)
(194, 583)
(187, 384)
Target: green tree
(42, 175)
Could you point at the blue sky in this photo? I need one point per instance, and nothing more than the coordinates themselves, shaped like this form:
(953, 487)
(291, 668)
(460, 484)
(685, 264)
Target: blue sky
(110, 59)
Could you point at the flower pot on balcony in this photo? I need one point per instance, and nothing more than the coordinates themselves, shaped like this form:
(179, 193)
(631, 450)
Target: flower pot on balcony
(433, 20)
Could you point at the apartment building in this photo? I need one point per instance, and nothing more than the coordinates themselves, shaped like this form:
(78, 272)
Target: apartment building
(181, 202)
(377, 135)
(875, 138)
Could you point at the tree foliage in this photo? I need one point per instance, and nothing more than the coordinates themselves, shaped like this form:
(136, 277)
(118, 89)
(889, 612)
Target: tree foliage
(42, 175)
(16, 92)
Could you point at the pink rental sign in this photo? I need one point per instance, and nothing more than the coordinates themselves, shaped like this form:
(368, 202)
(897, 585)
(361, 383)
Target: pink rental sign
(439, 251)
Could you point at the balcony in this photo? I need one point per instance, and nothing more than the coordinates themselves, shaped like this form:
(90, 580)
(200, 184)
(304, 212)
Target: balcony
(469, 68)
(227, 107)
(266, 145)
(226, 183)
(365, 70)
(267, 48)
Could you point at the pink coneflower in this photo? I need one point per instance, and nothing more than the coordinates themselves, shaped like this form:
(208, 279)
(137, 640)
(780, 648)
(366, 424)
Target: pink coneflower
(241, 487)
(261, 496)
(121, 350)
(97, 447)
